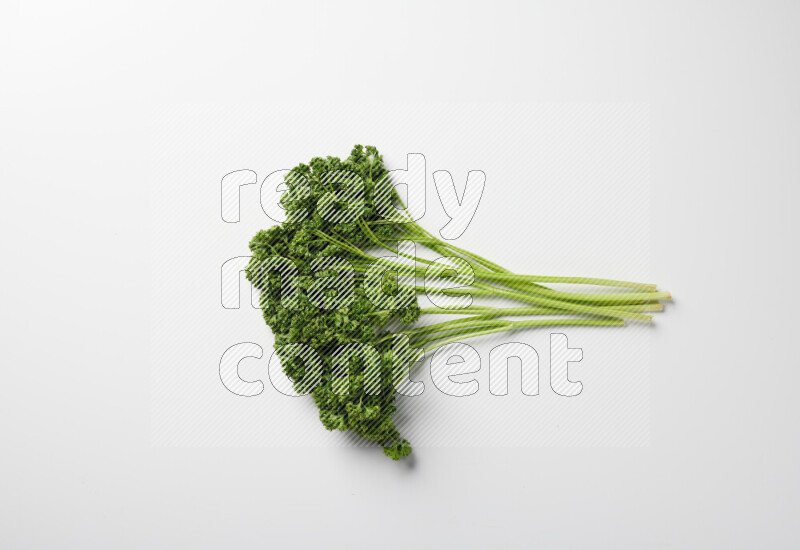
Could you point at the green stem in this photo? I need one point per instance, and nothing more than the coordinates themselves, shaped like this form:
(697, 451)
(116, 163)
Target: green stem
(501, 273)
(511, 325)
(566, 298)
(526, 297)
(464, 322)
(493, 312)
(570, 280)
(526, 283)
(566, 306)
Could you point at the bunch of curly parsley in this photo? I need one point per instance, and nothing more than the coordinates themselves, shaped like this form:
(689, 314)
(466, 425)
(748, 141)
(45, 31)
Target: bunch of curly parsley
(321, 230)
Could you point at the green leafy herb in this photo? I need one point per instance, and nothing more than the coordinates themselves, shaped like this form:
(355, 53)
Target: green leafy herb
(321, 230)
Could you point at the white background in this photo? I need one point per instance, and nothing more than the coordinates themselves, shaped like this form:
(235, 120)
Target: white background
(79, 84)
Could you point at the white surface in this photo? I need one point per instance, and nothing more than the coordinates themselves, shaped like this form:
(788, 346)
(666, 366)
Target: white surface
(79, 82)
